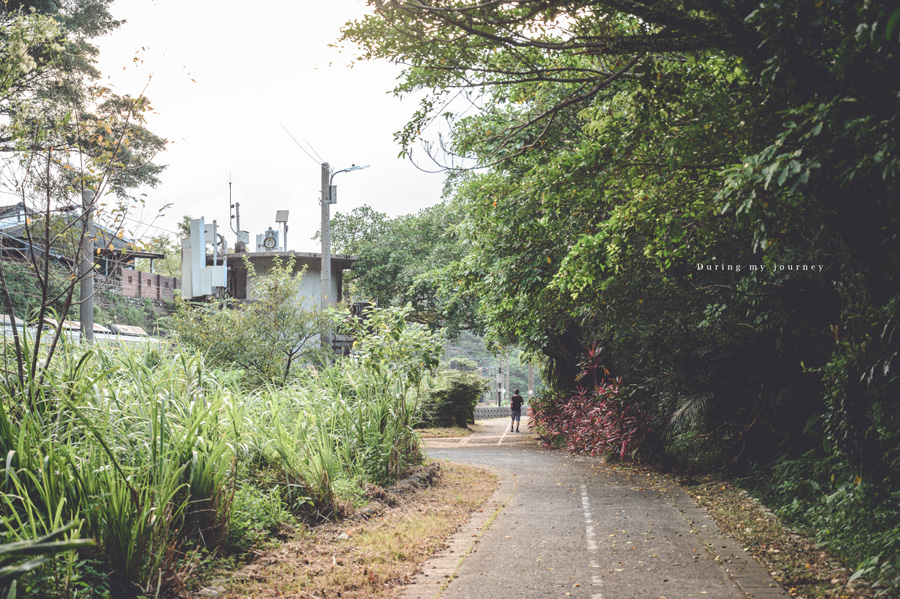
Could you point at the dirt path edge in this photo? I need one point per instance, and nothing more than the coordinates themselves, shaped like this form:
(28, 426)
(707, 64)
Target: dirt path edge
(441, 569)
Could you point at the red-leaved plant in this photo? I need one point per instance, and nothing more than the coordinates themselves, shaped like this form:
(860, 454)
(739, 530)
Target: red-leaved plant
(595, 419)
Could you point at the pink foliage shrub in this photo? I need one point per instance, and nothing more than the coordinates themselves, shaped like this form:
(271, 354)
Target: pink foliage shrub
(595, 420)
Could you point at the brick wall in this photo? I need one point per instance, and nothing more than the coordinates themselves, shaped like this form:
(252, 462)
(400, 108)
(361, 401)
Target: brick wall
(137, 284)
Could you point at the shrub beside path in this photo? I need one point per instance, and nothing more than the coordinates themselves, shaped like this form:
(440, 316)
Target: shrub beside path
(570, 526)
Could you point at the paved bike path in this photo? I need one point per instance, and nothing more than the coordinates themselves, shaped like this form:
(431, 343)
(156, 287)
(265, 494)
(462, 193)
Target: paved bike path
(567, 526)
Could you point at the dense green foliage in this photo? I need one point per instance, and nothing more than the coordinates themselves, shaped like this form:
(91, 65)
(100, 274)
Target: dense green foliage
(20, 558)
(401, 261)
(26, 296)
(154, 456)
(709, 191)
(270, 338)
(58, 107)
(452, 398)
(111, 308)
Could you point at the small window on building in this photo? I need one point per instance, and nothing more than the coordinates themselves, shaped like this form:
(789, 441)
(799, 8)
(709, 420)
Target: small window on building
(167, 285)
(129, 279)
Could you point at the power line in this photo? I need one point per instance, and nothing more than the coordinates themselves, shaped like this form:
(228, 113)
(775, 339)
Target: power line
(149, 226)
(313, 149)
(320, 161)
(203, 10)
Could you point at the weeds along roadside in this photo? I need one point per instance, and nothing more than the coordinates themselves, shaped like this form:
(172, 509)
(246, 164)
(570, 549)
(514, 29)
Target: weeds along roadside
(160, 458)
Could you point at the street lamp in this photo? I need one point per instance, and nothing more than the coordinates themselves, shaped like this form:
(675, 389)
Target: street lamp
(329, 197)
(332, 189)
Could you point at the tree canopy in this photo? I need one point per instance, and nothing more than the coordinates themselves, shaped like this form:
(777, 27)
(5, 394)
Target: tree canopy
(69, 147)
(703, 192)
(52, 95)
(402, 261)
(628, 142)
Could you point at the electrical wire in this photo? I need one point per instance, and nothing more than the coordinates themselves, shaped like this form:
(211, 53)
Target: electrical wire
(149, 226)
(203, 10)
(313, 149)
(320, 161)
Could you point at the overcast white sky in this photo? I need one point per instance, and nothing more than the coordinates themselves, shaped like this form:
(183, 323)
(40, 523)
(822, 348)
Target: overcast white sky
(225, 74)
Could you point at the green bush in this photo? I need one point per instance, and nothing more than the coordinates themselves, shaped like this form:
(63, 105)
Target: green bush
(856, 519)
(257, 515)
(272, 338)
(116, 309)
(25, 292)
(453, 402)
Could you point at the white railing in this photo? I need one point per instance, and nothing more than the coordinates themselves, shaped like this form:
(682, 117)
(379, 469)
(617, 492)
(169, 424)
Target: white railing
(6, 333)
(489, 412)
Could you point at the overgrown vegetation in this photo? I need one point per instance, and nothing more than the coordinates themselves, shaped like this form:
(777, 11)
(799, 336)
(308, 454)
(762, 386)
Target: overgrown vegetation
(162, 460)
(452, 399)
(271, 338)
(26, 296)
(596, 419)
(706, 189)
(111, 308)
(73, 149)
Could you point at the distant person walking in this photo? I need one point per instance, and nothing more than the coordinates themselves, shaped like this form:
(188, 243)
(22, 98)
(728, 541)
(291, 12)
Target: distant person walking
(515, 410)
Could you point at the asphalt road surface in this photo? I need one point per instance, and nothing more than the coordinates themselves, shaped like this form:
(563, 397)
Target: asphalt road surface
(566, 526)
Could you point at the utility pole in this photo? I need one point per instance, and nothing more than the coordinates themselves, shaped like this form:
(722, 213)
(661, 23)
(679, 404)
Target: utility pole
(499, 382)
(326, 248)
(530, 382)
(86, 267)
(329, 197)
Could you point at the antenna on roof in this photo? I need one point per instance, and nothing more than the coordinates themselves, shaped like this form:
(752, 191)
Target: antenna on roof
(231, 211)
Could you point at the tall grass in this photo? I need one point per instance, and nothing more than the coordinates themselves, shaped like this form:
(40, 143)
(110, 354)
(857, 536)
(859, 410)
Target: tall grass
(145, 448)
(132, 445)
(334, 429)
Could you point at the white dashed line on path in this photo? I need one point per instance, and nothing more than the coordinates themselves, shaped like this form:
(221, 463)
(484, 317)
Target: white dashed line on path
(590, 535)
(508, 429)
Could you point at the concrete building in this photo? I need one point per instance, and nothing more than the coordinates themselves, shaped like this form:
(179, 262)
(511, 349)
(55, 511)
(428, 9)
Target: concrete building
(240, 286)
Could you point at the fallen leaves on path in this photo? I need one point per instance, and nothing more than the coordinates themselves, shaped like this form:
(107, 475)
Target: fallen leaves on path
(793, 559)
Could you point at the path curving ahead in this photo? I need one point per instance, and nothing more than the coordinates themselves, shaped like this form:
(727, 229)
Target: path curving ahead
(568, 526)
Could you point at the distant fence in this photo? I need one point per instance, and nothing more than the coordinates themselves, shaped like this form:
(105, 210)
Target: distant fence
(488, 412)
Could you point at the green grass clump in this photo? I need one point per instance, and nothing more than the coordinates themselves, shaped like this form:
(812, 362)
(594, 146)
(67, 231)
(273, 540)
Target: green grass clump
(162, 460)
